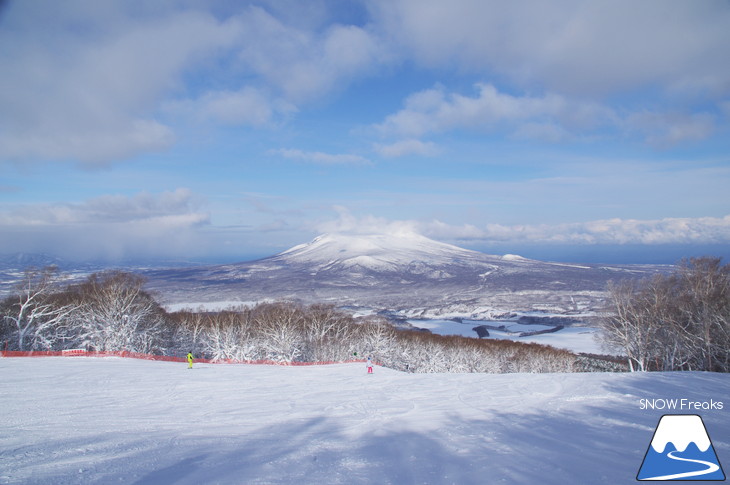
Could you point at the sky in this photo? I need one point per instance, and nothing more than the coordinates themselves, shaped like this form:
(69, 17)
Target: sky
(231, 130)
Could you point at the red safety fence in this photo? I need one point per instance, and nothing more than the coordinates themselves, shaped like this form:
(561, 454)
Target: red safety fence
(85, 353)
(166, 358)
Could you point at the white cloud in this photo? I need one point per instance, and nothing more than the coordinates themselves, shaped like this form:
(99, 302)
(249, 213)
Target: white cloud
(347, 223)
(702, 230)
(92, 82)
(546, 131)
(89, 81)
(304, 64)
(570, 47)
(725, 108)
(321, 158)
(407, 147)
(176, 207)
(83, 83)
(668, 129)
(435, 110)
(550, 118)
(108, 227)
(89, 145)
(248, 106)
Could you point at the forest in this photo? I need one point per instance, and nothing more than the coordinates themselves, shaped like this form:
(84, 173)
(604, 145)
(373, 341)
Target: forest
(675, 321)
(111, 311)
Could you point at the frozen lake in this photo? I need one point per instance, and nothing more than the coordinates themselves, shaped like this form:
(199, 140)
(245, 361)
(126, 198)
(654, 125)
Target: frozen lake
(575, 339)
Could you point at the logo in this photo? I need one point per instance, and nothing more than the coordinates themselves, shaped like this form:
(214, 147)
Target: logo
(680, 450)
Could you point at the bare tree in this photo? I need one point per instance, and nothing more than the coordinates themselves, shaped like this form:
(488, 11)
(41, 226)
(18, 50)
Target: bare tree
(230, 335)
(185, 329)
(706, 306)
(115, 313)
(32, 314)
(679, 321)
(326, 333)
(375, 337)
(280, 328)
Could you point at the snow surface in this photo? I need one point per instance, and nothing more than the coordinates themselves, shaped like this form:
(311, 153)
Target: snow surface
(574, 339)
(104, 421)
(512, 257)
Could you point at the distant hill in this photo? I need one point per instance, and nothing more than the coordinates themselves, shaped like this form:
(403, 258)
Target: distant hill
(13, 266)
(20, 261)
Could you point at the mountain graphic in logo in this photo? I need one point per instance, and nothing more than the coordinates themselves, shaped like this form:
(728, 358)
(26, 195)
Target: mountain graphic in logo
(680, 450)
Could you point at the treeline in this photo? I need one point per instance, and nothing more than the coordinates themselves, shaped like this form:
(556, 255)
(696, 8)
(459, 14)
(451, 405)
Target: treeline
(108, 311)
(287, 332)
(111, 311)
(677, 321)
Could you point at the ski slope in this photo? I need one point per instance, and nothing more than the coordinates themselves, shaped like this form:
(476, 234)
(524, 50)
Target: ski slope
(69, 420)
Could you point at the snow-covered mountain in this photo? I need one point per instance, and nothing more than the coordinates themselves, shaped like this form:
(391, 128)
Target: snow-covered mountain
(406, 252)
(402, 271)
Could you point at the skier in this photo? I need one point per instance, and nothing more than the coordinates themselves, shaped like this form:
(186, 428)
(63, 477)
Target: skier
(190, 359)
(370, 366)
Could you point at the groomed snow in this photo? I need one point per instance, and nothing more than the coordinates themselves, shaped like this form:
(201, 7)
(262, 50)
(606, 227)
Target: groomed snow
(106, 421)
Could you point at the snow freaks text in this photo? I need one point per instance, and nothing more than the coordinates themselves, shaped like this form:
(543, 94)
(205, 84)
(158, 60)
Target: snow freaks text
(679, 404)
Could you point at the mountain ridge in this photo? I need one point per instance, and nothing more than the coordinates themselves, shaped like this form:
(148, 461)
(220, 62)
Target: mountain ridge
(398, 272)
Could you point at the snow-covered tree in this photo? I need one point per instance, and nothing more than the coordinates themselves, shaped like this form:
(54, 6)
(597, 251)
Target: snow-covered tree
(280, 328)
(32, 316)
(286, 332)
(376, 338)
(184, 331)
(327, 332)
(628, 326)
(113, 312)
(230, 335)
(678, 321)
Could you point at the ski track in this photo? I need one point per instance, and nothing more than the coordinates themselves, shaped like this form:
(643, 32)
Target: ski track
(111, 420)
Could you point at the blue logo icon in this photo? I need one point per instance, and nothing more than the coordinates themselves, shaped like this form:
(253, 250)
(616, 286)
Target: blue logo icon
(680, 450)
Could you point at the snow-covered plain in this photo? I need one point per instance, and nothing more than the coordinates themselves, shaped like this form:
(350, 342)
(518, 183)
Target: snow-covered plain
(575, 339)
(67, 420)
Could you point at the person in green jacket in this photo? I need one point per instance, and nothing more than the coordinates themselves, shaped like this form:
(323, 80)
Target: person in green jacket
(190, 360)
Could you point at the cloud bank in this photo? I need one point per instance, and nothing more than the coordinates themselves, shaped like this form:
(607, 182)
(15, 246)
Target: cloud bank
(705, 230)
(112, 227)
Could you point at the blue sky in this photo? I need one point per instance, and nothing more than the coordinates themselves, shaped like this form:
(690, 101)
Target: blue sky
(220, 131)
